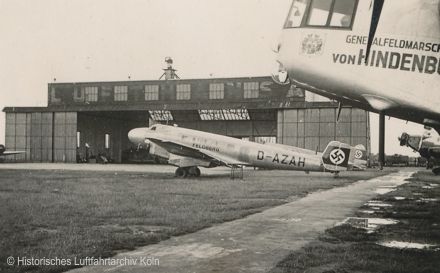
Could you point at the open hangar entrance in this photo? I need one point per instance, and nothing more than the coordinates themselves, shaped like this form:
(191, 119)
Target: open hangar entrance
(105, 133)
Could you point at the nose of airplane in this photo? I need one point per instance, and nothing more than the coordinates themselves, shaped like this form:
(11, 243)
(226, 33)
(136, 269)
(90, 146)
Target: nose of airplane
(280, 75)
(136, 135)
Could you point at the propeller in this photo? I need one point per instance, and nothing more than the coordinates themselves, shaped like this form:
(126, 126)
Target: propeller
(403, 139)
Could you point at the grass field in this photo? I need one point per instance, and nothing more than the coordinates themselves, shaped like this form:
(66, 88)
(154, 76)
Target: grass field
(67, 214)
(349, 249)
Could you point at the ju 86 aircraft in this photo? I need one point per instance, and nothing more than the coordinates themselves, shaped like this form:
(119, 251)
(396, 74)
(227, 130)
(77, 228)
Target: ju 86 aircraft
(378, 55)
(189, 149)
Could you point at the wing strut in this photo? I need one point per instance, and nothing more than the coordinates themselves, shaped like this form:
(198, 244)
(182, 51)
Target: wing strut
(339, 112)
(377, 11)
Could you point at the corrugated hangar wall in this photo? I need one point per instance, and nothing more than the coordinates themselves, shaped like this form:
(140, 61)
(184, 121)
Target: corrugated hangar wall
(314, 128)
(65, 137)
(45, 136)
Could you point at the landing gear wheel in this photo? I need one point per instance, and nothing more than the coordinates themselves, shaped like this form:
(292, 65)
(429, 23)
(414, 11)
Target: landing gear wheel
(194, 171)
(181, 172)
(197, 172)
(429, 165)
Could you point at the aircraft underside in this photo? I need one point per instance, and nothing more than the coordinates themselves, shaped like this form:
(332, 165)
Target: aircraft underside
(404, 112)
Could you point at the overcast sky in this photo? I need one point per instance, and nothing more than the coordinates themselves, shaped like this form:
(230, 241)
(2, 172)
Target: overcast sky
(108, 40)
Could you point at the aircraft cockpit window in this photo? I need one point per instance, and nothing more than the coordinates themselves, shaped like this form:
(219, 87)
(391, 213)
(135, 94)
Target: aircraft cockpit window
(321, 13)
(342, 13)
(153, 128)
(296, 13)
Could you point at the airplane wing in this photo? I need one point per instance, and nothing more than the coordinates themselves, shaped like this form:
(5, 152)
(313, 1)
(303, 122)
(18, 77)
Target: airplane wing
(225, 159)
(178, 148)
(11, 152)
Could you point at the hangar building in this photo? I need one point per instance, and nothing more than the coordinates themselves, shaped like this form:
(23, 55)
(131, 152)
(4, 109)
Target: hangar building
(100, 114)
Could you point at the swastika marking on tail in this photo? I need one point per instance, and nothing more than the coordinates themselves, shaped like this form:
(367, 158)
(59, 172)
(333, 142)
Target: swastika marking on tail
(337, 156)
(358, 154)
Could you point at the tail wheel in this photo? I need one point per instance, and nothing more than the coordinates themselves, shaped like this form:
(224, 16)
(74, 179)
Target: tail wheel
(181, 172)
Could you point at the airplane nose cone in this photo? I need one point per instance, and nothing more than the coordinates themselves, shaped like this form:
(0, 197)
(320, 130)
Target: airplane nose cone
(136, 136)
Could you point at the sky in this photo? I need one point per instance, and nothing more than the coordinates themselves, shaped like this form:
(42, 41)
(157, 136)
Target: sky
(110, 40)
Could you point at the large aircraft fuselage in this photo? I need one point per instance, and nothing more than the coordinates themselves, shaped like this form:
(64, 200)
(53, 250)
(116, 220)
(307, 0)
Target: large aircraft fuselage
(401, 76)
(236, 150)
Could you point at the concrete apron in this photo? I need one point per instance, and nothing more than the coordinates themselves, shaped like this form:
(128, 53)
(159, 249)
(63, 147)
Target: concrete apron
(255, 243)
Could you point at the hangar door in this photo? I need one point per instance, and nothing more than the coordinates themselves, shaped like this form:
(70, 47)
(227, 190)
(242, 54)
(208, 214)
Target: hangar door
(44, 136)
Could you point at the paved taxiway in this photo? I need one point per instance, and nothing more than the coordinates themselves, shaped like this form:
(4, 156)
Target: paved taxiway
(257, 242)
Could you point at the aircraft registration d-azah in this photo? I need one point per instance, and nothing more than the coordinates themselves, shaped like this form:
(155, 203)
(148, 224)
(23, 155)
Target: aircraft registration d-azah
(189, 149)
(379, 55)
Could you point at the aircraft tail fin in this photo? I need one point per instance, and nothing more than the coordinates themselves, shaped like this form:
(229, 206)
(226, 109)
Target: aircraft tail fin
(340, 156)
(358, 157)
(336, 156)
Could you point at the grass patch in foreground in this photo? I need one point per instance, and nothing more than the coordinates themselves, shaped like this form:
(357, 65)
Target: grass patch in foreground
(68, 214)
(349, 249)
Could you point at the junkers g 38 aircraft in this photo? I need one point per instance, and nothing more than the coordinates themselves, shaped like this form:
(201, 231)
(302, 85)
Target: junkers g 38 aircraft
(379, 55)
(189, 149)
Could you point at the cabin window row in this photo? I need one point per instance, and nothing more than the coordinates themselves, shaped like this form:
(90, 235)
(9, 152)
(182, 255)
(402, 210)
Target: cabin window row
(321, 13)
